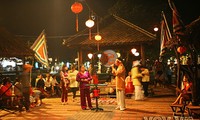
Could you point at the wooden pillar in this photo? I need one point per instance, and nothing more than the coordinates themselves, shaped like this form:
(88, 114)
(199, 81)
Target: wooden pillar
(80, 58)
(142, 49)
(178, 71)
(195, 78)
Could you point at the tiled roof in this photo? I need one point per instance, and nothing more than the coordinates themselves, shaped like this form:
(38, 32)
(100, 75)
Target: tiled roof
(10, 46)
(115, 31)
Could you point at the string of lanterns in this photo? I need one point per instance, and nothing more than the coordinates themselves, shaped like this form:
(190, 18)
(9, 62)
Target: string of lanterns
(77, 8)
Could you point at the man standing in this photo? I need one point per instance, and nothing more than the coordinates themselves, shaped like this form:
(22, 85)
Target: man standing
(120, 83)
(25, 81)
(145, 79)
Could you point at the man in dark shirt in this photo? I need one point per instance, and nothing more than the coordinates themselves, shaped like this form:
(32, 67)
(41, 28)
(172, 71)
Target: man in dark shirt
(26, 84)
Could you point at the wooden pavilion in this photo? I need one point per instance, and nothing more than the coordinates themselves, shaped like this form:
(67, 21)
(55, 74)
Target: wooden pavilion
(117, 34)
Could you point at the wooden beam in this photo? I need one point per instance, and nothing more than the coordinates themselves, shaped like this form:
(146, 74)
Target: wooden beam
(142, 49)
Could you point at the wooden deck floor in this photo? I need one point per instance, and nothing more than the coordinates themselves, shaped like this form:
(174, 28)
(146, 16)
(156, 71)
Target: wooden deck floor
(136, 110)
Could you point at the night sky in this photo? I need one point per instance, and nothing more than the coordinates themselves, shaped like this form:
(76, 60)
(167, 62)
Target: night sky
(28, 18)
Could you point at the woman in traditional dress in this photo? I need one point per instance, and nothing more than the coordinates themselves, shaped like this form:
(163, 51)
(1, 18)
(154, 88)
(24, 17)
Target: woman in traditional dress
(84, 78)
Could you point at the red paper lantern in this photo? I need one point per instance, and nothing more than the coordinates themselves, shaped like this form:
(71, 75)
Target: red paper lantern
(77, 8)
(181, 49)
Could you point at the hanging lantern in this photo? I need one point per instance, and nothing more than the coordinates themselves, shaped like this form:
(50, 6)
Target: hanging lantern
(137, 54)
(90, 55)
(133, 51)
(181, 49)
(77, 8)
(89, 23)
(97, 37)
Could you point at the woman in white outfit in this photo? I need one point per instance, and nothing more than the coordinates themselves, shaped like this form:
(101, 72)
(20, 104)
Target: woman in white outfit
(74, 85)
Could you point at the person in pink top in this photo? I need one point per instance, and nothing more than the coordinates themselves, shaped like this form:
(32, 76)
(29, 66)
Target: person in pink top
(84, 78)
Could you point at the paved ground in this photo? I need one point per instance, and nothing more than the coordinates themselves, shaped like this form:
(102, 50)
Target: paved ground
(158, 105)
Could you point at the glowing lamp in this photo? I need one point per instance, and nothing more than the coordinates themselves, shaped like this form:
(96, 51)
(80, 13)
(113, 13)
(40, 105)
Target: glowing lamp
(99, 56)
(155, 29)
(90, 55)
(137, 54)
(97, 37)
(181, 49)
(133, 51)
(89, 23)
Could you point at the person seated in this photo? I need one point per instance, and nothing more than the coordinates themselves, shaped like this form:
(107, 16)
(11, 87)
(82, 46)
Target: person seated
(48, 83)
(1, 85)
(5, 92)
(18, 93)
(185, 93)
(40, 86)
(35, 98)
(18, 88)
(55, 86)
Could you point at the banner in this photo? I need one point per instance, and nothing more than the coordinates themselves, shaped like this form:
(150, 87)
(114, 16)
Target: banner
(165, 35)
(40, 48)
(178, 26)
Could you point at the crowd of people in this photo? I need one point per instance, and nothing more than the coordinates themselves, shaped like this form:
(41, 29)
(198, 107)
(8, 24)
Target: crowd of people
(71, 80)
(29, 96)
(139, 78)
(21, 93)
